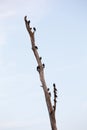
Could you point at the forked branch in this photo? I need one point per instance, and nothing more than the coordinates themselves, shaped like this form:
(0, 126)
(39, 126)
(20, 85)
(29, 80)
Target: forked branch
(40, 69)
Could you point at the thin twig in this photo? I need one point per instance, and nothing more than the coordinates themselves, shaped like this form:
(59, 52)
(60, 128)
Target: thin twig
(40, 69)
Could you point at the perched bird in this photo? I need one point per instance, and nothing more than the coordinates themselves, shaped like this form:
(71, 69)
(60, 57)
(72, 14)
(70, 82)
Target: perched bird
(48, 89)
(50, 94)
(55, 95)
(43, 65)
(54, 85)
(38, 68)
(55, 89)
(34, 29)
(40, 58)
(28, 21)
(36, 47)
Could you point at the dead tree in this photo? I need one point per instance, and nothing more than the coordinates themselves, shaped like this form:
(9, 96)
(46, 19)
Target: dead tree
(40, 69)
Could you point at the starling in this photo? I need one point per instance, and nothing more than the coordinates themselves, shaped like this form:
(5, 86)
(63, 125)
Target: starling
(36, 47)
(49, 94)
(40, 58)
(38, 68)
(43, 65)
(34, 29)
(55, 89)
(54, 85)
(48, 89)
(55, 95)
(28, 21)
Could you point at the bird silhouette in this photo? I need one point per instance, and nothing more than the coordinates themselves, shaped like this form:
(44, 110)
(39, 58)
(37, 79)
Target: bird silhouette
(36, 47)
(38, 68)
(43, 65)
(34, 29)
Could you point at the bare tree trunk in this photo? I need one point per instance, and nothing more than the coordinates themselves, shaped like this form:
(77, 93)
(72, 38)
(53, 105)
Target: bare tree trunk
(40, 69)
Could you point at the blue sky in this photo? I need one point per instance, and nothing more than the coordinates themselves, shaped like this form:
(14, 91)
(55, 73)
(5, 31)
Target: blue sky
(62, 41)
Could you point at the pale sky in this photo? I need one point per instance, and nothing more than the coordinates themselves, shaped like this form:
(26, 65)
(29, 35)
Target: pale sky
(61, 37)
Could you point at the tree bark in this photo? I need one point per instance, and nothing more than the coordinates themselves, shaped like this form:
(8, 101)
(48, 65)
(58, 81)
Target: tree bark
(40, 69)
